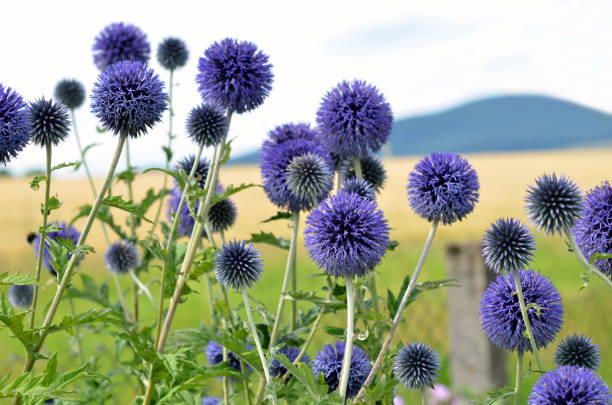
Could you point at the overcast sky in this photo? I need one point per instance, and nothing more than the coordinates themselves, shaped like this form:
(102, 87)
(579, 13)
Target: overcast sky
(423, 55)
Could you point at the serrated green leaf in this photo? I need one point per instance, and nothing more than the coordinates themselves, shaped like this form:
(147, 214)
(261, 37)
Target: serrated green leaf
(231, 190)
(128, 206)
(20, 279)
(75, 164)
(270, 239)
(35, 182)
(279, 215)
(177, 176)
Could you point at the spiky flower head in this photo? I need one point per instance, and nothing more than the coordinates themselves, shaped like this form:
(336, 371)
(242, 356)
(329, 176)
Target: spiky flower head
(578, 350)
(21, 296)
(14, 124)
(570, 385)
(416, 366)
(70, 92)
(285, 143)
(121, 257)
(443, 187)
(49, 122)
(65, 232)
(359, 187)
(214, 353)
(222, 214)
(508, 245)
(120, 42)
(355, 119)
(211, 401)
(128, 97)
(200, 173)
(500, 312)
(235, 75)
(309, 176)
(186, 219)
(172, 53)
(278, 370)
(329, 360)
(347, 235)
(372, 170)
(238, 265)
(207, 124)
(593, 229)
(554, 203)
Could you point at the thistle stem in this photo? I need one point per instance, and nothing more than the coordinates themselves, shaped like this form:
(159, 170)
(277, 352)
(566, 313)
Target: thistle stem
(585, 263)
(77, 335)
(143, 288)
(126, 312)
(423, 397)
(348, 351)
(132, 222)
(262, 356)
(400, 309)
(519, 293)
(43, 235)
(519, 368)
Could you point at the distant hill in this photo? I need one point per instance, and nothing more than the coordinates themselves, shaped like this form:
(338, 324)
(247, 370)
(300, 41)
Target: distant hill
(505, 123)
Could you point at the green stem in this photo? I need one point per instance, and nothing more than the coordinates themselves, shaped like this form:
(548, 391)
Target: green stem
(126, 312)
(519, 293)
(400, 309)
(519, 367)
(348, 351)
(132, 223)
(143, 288)
(588, 266)
(77, 335)
(423, 397)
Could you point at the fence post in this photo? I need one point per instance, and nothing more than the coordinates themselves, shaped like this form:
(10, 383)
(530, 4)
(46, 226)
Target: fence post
(476, 363)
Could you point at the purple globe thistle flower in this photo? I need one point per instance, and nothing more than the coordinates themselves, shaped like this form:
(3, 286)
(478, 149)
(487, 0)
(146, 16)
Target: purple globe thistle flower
(347, 235)
(214, 353)
(554, 203)
(68, 233)
(211, 401)
(121, 257)
(128, 98)
(285, 143)
(238, 265)
(416, 366)
(186, 219)
(355, 119)
(593, 229)
(21, 296)
(278, 370)
(222, 215)
(500, 312)
(172, 53)
(120, 42)
(372, 171)
(362, 188)
(309, 176)
(14, 124)
(235, 75)
(578, 351)
(570, 385)
(201, 169)
(508, 245)
(328, 362)
(443, 187)
(49, 122)
(70, 92)
(207, 124)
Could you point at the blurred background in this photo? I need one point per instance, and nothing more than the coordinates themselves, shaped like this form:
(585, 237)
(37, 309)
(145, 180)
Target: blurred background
(520, 88)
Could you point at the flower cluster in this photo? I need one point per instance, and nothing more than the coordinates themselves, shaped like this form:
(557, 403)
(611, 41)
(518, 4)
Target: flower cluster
(328, 362)
(66, 233)
(14, 124)
(120, 42)
(508, 246)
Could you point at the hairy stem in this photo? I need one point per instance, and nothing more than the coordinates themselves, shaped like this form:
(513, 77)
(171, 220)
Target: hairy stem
(348, 351)
(77, 335)
(519, 293)
(588, 266)
(132, 222)
(423, 397)
(126, 312)
(519, 368)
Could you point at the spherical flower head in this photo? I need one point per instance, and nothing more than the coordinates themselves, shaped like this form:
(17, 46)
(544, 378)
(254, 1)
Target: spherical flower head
(593, 229)
(570, 385)
(222, 215)
(121, 257)
(554, 203)
(347, 235)
(416, 366)
(120, 42)
(211, 401)
(172, 53)
(70, 92)
(235, 75)
(508, 245)
(186, 219)
(278, 370)
(500, 312)
(443, 187)
(362, 188)
(238, 265)
(355, 119)
(207, 124)
(214, 353)
(309, 176)
(328, 362)
(68, 233)
(579, 351)
(128, 98)
(372, 171)
(285, 143)
(21, 296)
(14, 124)
(201, 169)
(49, 122)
